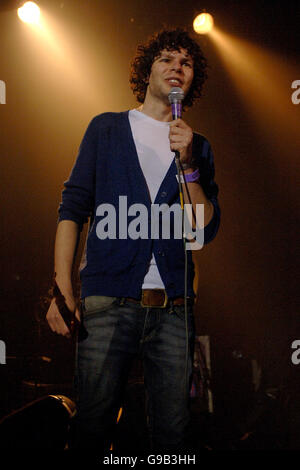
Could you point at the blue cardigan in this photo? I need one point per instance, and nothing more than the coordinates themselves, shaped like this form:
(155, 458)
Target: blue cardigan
(107, 167)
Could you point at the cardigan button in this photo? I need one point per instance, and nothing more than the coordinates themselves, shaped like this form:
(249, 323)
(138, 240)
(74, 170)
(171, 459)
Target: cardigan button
(163, 194)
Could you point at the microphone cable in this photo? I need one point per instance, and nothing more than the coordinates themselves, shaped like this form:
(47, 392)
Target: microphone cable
(180, 172)
(176, 97)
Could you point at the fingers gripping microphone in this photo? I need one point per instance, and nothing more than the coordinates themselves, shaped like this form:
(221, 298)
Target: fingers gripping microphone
(176, 96)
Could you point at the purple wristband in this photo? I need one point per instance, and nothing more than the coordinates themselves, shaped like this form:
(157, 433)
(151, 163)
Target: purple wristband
(191, 177)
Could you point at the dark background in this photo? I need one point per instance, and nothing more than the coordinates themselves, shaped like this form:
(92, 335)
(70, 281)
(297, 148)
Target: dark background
(247, 278)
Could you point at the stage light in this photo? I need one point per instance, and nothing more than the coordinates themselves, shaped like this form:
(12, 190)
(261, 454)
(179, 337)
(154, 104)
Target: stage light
(203, 23)
(29, 13)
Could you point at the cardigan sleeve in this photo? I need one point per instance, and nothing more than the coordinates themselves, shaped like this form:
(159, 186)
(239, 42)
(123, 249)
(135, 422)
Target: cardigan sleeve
(204, 160)
(79, 190)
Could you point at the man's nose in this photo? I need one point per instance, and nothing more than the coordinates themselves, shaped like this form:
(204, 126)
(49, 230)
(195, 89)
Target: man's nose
(177, 66)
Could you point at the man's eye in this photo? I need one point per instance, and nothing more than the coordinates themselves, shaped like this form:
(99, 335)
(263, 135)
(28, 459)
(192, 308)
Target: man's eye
(188, 64)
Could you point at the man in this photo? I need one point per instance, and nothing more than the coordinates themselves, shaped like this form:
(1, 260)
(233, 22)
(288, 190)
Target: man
(133, 288)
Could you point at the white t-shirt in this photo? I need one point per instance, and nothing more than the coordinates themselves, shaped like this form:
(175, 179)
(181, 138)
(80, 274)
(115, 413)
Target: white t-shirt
(152, 143)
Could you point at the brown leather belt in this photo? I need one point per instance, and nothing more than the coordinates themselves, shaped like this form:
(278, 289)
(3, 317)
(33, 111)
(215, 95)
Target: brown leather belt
(156, 298)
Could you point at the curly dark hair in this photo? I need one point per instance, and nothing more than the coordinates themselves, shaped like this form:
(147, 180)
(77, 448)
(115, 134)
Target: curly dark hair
(172, 40)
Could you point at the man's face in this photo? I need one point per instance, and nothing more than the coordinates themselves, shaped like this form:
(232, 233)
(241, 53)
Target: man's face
(170, 69)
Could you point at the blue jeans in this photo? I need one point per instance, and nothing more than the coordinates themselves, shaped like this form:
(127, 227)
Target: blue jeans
(116, 334)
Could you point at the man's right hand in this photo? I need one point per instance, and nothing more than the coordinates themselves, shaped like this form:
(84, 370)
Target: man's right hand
(66, 239)
(55, 320)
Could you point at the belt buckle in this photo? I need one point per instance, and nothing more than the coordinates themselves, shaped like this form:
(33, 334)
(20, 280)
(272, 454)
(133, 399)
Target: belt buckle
(158, 306)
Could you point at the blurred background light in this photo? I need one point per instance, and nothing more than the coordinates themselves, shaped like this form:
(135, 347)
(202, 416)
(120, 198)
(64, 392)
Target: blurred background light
(203, 23)
(29, 13)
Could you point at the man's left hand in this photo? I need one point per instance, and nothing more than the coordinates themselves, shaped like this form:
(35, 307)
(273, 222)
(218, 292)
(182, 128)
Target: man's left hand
(181, 139)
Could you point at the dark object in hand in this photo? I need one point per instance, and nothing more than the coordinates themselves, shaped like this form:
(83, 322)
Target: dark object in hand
(68, 316)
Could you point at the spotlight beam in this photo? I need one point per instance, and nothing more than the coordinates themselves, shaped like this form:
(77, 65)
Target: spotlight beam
(263, 81)
(29, 13)
(203, 23)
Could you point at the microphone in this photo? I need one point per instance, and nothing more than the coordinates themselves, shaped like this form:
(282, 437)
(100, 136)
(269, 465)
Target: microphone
(176, 96)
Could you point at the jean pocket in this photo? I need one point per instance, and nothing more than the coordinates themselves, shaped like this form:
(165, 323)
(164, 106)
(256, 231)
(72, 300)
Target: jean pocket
(179, 311)
(97, 303)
